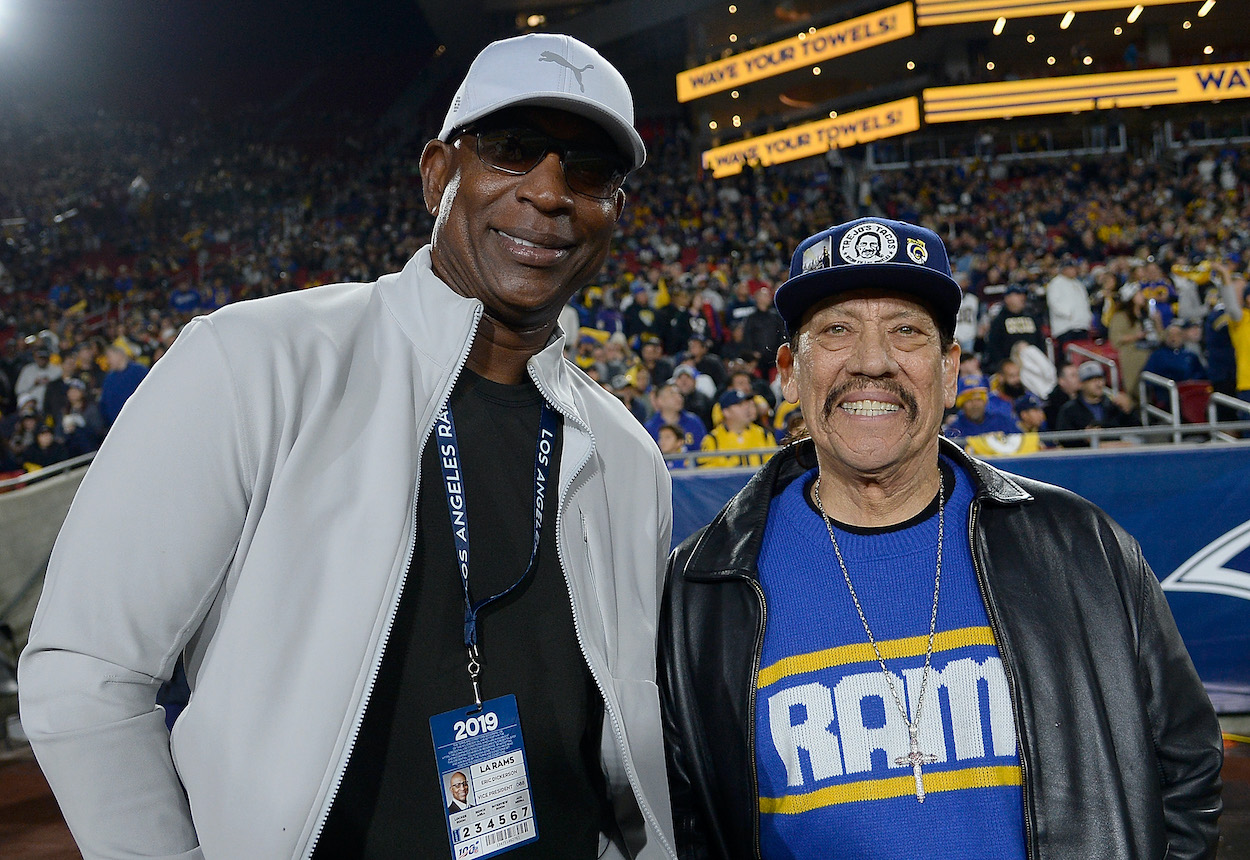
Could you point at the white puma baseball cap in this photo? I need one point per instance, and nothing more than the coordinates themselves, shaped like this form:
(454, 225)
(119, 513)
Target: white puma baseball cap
(548, 70)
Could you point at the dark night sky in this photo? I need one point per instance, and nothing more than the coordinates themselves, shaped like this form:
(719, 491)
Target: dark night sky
(145, 53)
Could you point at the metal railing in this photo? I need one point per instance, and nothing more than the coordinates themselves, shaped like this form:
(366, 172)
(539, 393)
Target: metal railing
(1113, 371)
(1218, 399)
(46, 472)
(1171, 415)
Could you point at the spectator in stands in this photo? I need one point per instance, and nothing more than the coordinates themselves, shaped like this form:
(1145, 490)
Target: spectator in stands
(1006, 385)
(119, 383)
(625, 387)
(1031, 413)
(1172, 360)
(35, 376)
(1236, 296)
(1131, 329)
(708, 363)
(25, 433)
(640, 318)
(47, 450)
(1093, 408)
(81, 428)
(1067, 300)
(685, 379)
(672, 440)
(1013, 323)
(737, 431)
(670, 412)
(651, 356)
(1067, 386)
(763, 330)
(973, 417)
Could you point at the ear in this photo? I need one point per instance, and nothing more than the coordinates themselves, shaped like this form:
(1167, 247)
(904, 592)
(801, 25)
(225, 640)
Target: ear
(438, 163)
(950, 374)
(618, 204)
(785, 372)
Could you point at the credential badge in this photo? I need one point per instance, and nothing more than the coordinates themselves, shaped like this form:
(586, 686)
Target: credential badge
(868, 243)
(917, 252)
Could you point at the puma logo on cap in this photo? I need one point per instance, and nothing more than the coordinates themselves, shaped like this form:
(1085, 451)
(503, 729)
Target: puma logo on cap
(549, 57)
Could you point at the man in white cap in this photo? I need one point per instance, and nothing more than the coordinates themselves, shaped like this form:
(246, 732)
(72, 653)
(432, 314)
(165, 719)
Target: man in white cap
(885, 648)
(289, 502)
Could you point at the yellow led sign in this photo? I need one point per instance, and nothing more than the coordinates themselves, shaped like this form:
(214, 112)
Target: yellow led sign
(826, 43)
(930, 13)
(861, 126)
(1087, 92)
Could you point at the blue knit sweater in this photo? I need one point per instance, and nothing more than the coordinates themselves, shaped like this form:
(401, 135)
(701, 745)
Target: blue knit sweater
(828, 730)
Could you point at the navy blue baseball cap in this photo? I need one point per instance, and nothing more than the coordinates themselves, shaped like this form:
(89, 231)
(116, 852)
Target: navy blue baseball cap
(870, 253)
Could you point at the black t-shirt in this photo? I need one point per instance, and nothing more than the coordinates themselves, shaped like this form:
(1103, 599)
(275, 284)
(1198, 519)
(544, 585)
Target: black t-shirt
(391, 802)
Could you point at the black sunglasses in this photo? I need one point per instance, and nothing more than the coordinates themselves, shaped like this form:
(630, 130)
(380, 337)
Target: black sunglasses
(517, 150)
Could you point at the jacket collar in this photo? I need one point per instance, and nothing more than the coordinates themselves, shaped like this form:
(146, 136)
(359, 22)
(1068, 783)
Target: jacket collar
(439, 322)
(730, 545)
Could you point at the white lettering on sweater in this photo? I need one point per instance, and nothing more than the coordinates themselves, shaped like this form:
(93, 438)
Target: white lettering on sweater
(803, 718)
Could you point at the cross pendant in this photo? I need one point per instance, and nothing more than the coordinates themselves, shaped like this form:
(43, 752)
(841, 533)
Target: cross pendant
(916, 758)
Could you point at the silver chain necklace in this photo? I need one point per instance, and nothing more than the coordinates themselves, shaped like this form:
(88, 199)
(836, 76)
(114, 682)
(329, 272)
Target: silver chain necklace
(914, 757)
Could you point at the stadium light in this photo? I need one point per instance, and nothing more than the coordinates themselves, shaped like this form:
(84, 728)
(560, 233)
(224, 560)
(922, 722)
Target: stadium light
(712, 125)
(1135, 14)
(1208, 50)
(1206, 7)
(733, 37)
(1067, 20)
(999, 25)
(1050, 61)
(732, 9)
(1186, 25)
(990, 66)
(1030, 38)
(815, 70)
(734, 94)
(911, 65)
(1089, 61)
(1119, 31)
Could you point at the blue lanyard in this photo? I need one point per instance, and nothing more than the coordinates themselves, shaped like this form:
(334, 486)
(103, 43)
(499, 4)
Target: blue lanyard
(453, 483)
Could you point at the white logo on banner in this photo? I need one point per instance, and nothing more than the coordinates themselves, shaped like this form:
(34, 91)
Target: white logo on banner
(1206, 570)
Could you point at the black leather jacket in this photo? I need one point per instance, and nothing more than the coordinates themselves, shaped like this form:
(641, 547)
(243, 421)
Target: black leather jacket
(1120, 750)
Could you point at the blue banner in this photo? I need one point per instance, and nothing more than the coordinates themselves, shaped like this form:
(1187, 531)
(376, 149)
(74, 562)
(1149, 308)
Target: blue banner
(1188, 507)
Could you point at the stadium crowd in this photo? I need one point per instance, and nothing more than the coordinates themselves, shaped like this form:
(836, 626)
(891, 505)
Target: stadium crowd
(113, 234)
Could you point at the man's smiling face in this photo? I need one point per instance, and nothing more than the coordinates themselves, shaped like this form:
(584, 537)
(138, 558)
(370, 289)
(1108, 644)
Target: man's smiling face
(873, 379)
(522, 244)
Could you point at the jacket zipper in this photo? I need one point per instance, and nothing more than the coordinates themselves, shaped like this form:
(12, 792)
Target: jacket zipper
(613, 718)
(755, 677)
(358, 720)
(992, 613)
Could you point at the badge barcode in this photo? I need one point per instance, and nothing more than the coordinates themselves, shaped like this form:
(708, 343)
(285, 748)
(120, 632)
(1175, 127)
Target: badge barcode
(506, 834)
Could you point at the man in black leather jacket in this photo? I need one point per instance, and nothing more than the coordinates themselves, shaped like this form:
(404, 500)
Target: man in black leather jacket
(1086, 734)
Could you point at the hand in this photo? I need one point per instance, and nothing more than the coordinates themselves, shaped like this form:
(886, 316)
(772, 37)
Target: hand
(1122, 400)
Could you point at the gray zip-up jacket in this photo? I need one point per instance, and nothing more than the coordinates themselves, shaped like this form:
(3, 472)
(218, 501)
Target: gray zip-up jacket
(254, 507)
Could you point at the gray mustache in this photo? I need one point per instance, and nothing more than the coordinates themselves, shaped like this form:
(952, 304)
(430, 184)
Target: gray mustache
(840, 391)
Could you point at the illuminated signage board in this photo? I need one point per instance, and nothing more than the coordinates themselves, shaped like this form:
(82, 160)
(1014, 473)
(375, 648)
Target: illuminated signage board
(801, 141)
(1087, 92)
(930, 13)
(807, 49)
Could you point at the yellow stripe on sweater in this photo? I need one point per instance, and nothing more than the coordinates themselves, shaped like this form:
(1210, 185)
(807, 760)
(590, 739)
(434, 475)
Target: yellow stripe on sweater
(843, 655)
(895, 786)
